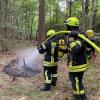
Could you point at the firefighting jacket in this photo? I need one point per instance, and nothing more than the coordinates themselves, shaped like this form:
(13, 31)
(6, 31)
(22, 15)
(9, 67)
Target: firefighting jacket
(78, 62)
(51, 53)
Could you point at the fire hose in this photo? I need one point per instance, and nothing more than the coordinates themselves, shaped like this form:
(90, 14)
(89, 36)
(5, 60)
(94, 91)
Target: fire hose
(79, 35)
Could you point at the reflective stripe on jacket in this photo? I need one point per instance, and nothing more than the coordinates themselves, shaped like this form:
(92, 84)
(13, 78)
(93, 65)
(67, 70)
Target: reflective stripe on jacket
(51, 55)
(78, 61)
(78, 68)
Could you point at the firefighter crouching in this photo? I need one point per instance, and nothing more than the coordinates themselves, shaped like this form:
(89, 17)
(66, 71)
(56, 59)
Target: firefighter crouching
(50, 63)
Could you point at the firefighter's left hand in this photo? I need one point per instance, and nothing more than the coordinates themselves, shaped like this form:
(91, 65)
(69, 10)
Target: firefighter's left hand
(41, 49)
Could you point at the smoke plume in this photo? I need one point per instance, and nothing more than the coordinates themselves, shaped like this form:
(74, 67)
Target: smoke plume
(27, 64)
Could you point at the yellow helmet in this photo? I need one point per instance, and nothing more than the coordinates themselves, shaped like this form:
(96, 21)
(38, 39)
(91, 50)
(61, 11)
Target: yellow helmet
(89, 33)
(72, 21)
(50, 32)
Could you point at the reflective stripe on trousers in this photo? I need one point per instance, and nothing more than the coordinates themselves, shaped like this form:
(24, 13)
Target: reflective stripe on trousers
(47, 78)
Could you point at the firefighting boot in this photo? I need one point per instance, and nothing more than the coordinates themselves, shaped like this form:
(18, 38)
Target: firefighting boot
(46, 87)
(83, 96)
(54, 80)
(77, 97)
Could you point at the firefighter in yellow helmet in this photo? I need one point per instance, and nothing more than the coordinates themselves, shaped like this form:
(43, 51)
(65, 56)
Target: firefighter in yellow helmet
(50, 63)
(78, 63)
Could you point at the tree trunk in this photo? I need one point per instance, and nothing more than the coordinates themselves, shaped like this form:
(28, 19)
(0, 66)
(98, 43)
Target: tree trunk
(31, 36)
(41, 34)
(6, 18)
(92, 16)
(83, 15)
(56, 17)
(87, 16)
(50, 14)
(70, 8)
(95, 13)
(67, 11)
(87, 7)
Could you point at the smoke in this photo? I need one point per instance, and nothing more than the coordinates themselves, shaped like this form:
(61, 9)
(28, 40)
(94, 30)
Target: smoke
(28, 63)
(30, 58)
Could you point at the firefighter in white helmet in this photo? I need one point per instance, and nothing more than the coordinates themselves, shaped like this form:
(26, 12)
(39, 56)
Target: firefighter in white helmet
(90, 51)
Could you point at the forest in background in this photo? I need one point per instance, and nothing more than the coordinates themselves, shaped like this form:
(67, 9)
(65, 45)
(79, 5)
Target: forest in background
(19, 19)
(23, 25)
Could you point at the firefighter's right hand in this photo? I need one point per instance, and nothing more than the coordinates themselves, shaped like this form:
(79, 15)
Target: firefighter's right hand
(41, 49)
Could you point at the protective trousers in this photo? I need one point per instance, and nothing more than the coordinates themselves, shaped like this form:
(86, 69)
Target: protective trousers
(50, 74)
(77, 85)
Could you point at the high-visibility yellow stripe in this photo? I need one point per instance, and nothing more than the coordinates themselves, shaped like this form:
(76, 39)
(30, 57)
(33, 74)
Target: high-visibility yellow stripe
(46, 75)
(79, 92)
(71, 39)
(52, 51)
(75, 92)
(43, 46)
(52, 59)
(47, 80)
(78, 42)
(53, 44)
(54, 75)
(77, 85)
(78, 68)
(49, 64)
(72, 44)
(82, 91)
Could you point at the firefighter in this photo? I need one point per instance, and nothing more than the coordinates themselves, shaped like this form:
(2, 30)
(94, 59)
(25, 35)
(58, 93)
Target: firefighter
(50, 63)
(78, 63)
(90, 51)
(61, 44)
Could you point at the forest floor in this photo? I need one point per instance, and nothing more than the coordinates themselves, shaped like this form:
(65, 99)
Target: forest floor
(29, 88)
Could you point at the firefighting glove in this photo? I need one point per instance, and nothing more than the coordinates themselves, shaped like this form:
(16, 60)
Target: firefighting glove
(41, 48)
